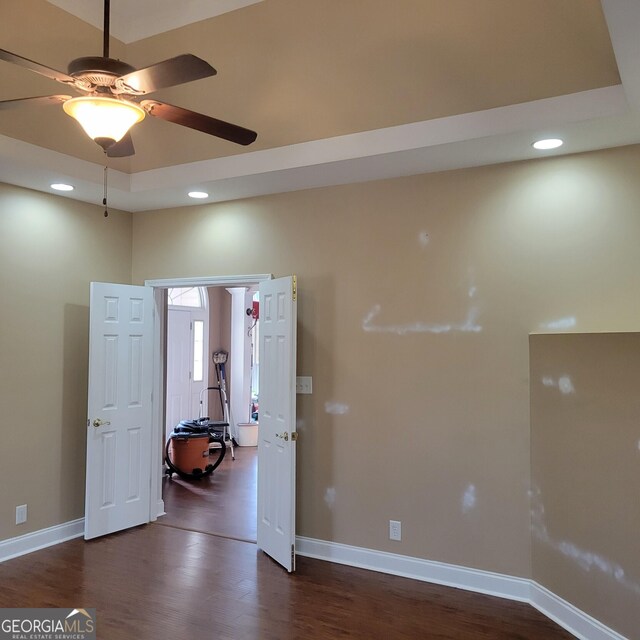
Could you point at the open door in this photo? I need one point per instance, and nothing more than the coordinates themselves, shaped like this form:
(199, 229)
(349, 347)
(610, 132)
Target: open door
(119, 408)
(277, 432)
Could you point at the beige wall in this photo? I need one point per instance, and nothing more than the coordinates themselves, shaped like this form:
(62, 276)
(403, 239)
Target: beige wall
(50, 249)
(417, 296)
(585, 436)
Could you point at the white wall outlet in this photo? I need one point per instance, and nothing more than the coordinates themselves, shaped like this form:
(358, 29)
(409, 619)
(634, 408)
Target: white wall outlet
(395, 530)
(21, 514)
(304, 384)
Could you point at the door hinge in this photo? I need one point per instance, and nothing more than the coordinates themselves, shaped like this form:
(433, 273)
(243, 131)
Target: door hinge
(295, 288)
(293, 557)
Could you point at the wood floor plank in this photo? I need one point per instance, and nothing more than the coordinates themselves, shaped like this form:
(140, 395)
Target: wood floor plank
(158, 582)
(223, 503)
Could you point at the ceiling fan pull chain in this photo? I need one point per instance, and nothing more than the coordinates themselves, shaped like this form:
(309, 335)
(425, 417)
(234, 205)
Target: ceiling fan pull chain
(104, 196)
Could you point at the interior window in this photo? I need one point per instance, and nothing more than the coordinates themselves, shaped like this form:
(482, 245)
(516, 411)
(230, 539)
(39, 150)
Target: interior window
(198, 350)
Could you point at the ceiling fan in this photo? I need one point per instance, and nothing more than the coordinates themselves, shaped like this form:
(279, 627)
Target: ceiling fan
(114, 96)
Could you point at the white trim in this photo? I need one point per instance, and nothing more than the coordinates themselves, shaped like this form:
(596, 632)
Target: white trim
(209, 281)
(588, 120)
(580, 624)
(494, 584)
(157, 405)
(576, 622)
(21, 545)
(160, 509)
(529, 118)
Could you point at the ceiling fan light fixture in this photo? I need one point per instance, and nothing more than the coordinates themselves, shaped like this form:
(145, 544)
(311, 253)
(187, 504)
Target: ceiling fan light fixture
(105, 120)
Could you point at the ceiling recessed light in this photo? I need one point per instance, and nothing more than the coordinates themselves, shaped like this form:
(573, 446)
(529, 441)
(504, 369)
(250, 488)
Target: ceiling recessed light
(548, 143)
(198, 194)
(60, 186)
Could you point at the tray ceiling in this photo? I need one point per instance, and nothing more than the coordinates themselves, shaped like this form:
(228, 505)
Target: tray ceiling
(337, 91)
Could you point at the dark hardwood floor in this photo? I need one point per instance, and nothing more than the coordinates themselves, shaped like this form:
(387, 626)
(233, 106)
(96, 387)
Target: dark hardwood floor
(223, 503)
(174, 580)
(161, 583)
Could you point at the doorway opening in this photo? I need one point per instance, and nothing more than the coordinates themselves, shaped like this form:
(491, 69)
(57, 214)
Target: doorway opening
(223, 503)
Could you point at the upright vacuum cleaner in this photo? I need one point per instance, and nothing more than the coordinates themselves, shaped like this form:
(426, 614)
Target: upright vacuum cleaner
(220, 360)
(188, 447)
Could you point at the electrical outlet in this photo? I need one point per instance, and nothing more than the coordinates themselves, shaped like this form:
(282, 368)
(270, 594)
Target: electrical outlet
(21, 514)
(304, 384)
(395, 530)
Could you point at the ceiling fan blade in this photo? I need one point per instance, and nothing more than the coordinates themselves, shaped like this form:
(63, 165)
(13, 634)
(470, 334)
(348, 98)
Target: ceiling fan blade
(169, 73)
(54, 74)
(39, 101)
(193, 120)
(122, 149)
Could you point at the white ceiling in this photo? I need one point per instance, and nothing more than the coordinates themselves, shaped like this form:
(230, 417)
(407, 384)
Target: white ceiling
(132, 21)
(596, 119)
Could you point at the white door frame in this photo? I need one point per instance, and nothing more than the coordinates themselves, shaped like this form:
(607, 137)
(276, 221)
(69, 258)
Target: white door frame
(160, 287)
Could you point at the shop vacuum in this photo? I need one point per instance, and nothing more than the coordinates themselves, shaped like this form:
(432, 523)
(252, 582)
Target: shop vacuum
(187, 450)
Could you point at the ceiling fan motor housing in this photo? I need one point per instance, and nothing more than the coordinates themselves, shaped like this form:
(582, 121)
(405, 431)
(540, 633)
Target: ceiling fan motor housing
(100, 72)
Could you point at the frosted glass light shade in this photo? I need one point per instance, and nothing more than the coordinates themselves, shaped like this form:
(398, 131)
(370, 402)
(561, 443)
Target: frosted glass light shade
(105, 120)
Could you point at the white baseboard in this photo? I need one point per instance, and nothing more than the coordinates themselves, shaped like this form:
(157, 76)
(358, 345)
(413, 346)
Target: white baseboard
(450, 575)
(21, 545)
(580, 624)
(577, 622)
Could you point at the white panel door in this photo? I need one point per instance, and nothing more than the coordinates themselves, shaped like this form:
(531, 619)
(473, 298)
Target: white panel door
(277, 432)
(178, 368)
(119, 408)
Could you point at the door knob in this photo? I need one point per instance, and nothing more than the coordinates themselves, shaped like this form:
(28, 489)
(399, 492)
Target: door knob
(284, 436)
(98, 423)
